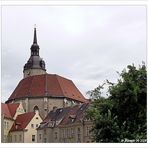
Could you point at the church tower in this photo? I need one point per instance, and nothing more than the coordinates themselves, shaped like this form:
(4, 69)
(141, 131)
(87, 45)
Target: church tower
(41, 91)
(35, 65)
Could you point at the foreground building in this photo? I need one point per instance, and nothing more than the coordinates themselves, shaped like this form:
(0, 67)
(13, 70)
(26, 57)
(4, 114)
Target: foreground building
(24, 128)
(9, 112)
(66, 125)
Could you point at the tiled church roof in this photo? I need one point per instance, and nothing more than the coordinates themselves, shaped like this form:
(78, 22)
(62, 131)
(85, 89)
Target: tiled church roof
(47, 85)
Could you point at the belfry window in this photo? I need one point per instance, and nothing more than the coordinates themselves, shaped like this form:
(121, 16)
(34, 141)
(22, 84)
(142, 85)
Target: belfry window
(36, 108)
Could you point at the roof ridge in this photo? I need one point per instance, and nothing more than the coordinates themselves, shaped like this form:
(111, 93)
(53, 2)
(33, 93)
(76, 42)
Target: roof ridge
(62, 77)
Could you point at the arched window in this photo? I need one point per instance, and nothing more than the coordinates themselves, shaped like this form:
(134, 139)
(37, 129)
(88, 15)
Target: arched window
(36, 108)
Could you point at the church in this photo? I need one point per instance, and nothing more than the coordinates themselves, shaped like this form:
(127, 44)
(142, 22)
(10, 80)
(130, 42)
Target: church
(41, 91)
(44, 108)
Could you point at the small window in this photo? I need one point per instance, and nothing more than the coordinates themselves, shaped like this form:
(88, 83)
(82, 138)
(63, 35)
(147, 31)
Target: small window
(36, 125)
(56, 135)
(20, 138)
(37, 118)
(40, 136)
(72, 131)
(32, 125)
(33, 138)
(79, 135)
(45, 140)
(5, 138)
(87, 131)
(78, 130)
(45, 131)
(15, 138)
(5, 124)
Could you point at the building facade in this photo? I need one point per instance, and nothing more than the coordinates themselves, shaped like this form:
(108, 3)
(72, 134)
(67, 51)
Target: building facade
(66, 125)
(9, 113)
(24, 128)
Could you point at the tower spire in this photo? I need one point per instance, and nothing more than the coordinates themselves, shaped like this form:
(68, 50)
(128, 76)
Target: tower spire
(35, 46)
(35, 37)
(35, 65)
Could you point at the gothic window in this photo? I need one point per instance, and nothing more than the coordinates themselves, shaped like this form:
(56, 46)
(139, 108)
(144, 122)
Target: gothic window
(36, 108)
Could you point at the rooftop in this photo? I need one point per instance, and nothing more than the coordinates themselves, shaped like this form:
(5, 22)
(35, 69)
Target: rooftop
(50, 85)
(9, 110)
(22, 121)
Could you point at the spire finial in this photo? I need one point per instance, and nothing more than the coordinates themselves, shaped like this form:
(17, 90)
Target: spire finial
(35, 37)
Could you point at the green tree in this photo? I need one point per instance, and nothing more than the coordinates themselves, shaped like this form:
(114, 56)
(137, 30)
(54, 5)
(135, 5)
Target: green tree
(96, 93)
(105, 127)
(123, 114)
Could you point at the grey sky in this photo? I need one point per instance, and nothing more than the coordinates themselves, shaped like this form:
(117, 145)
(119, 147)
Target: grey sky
(86, 44)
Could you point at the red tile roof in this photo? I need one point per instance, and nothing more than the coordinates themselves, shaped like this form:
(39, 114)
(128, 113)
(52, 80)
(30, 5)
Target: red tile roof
(12, 108)
(9, 110)
(47, 85)
(5, 110)
(22, 121)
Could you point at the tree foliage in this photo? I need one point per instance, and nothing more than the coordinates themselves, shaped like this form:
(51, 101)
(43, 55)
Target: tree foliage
(123, 114)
